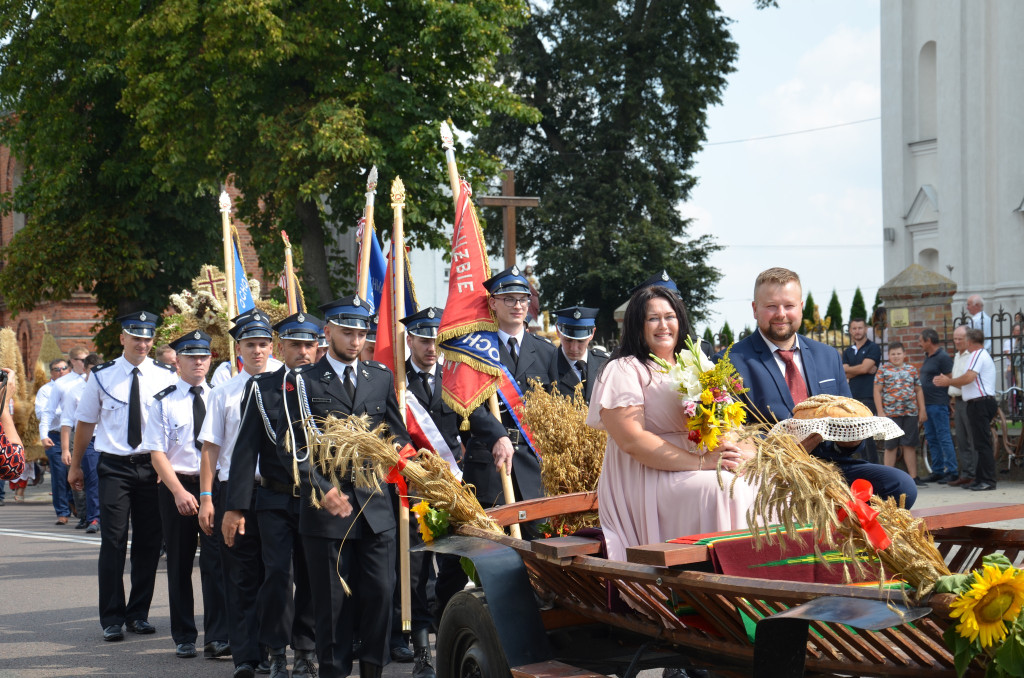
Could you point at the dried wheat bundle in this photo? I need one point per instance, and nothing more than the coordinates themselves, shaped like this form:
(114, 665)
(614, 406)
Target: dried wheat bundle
(340, 445)
(571, 452)
(797, 488)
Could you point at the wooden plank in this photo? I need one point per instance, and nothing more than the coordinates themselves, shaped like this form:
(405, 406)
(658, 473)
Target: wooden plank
(552, 669)
(667, 555)
(936, 518)
(566, 547)
(975, 513)
(545, 507)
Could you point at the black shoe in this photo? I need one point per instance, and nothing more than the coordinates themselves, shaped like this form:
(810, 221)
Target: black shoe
(184, 650)
(278, 663)
(983, 487)
(933, 478)
(216, 648)
(141, 626)
(244, 671)
(402, 654)
(973, 484)
(263, 667)
(920, 483)
(304, 665)
(113, 633)
(81, 524)
(370, 670)
(422, 668)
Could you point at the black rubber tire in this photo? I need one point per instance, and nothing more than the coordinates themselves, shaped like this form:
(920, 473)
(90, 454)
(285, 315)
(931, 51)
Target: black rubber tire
(467, 642)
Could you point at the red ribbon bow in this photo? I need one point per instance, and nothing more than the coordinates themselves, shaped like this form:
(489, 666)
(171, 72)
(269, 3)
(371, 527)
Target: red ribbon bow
(395, 476)
(867, 516)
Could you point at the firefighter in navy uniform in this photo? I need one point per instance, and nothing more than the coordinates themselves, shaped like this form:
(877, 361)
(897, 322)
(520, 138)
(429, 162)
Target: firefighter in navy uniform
(527, 357)
(114, 405)
(286, 615)
(353, 535)
(577, 362)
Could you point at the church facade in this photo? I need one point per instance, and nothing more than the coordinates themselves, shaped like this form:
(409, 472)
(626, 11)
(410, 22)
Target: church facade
(952, 140)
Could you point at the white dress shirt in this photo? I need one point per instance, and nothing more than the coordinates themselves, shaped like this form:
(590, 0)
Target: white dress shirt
(169, 428)
(223, 415)
(69, 399)
(959, 367)
(46, 424)
(222, 374)
(105, 400)
(54, 412)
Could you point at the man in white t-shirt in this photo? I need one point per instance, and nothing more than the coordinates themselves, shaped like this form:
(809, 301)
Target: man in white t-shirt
(978, 384)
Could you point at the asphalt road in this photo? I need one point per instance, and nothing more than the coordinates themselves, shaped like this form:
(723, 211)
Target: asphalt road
(49, 623)
(48, 615)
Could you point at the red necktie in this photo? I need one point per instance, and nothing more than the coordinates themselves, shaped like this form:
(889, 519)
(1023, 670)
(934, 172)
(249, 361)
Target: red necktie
(794, 380)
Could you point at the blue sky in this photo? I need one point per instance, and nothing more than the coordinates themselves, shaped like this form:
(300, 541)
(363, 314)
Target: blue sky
(812, 201)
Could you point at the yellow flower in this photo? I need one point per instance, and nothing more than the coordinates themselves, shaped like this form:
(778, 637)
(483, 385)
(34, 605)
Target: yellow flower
(995, 597)
(735, 414)
(421, 509)
(706, 397)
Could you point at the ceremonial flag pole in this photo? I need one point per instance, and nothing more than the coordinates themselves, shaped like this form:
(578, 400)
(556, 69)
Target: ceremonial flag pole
(448, 143)
(289, 276)
(397, 330)
(229, 268)
(364, 250)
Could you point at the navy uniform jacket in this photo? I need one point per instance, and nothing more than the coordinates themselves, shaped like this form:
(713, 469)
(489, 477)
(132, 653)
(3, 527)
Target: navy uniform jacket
(324, 394)
(536, 361)
(257, 440)
(567, 379)
(481, 422)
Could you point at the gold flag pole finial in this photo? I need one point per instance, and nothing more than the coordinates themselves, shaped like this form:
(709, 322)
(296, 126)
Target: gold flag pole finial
(397, 193)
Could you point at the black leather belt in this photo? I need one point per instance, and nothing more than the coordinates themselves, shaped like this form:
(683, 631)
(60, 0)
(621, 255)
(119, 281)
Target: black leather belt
(974, 400)
(186, 478)
(141, 458)
(280, 488)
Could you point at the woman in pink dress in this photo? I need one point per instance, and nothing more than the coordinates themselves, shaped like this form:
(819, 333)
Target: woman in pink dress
(655, 484)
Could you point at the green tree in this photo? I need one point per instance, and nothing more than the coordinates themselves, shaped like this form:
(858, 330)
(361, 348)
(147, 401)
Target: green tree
(96, 217)
(808, 313)
(857, 308)
(297, 100)
(709, 336)
(726, 335)
(623, 89)
(834, 312)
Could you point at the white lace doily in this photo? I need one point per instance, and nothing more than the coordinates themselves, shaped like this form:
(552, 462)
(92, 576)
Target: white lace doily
(841, 429)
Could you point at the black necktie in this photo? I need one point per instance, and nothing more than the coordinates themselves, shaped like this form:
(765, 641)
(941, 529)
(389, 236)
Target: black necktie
(198, 414)
(582, 367)
(135, 412)
(350, 388)
(512, 350)
(425, 376)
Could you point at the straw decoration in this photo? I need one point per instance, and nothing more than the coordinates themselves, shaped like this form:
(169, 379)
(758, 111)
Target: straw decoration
(346, 447)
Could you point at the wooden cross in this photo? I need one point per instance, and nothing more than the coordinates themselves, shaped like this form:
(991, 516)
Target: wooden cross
(212, 282)
(508, 201)
(44, 322)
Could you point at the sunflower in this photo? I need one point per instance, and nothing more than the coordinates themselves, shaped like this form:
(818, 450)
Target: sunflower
(420, 511)
(995, 597)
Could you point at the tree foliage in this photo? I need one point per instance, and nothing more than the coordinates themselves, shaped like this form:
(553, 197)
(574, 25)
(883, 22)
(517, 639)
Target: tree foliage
(623, 89)
(857, 308)
(297, 100)
(726, 335)
(96, 216)
(834, 312)
(130, 116)
(808, 316)
(709, 336)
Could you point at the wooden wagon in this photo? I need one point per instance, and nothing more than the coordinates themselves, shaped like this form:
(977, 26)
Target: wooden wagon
(552, 608)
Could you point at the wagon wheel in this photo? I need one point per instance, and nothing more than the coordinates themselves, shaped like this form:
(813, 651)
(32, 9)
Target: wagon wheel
(467, 642)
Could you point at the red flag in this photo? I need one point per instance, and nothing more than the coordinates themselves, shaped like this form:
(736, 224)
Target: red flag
(466, 309)
(384, 350)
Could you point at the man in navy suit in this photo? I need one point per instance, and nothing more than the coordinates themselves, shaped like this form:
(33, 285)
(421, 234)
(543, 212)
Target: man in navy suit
(764, 358)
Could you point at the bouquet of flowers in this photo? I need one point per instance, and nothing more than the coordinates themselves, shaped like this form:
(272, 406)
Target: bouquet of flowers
(709, 392)
(991, 627)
